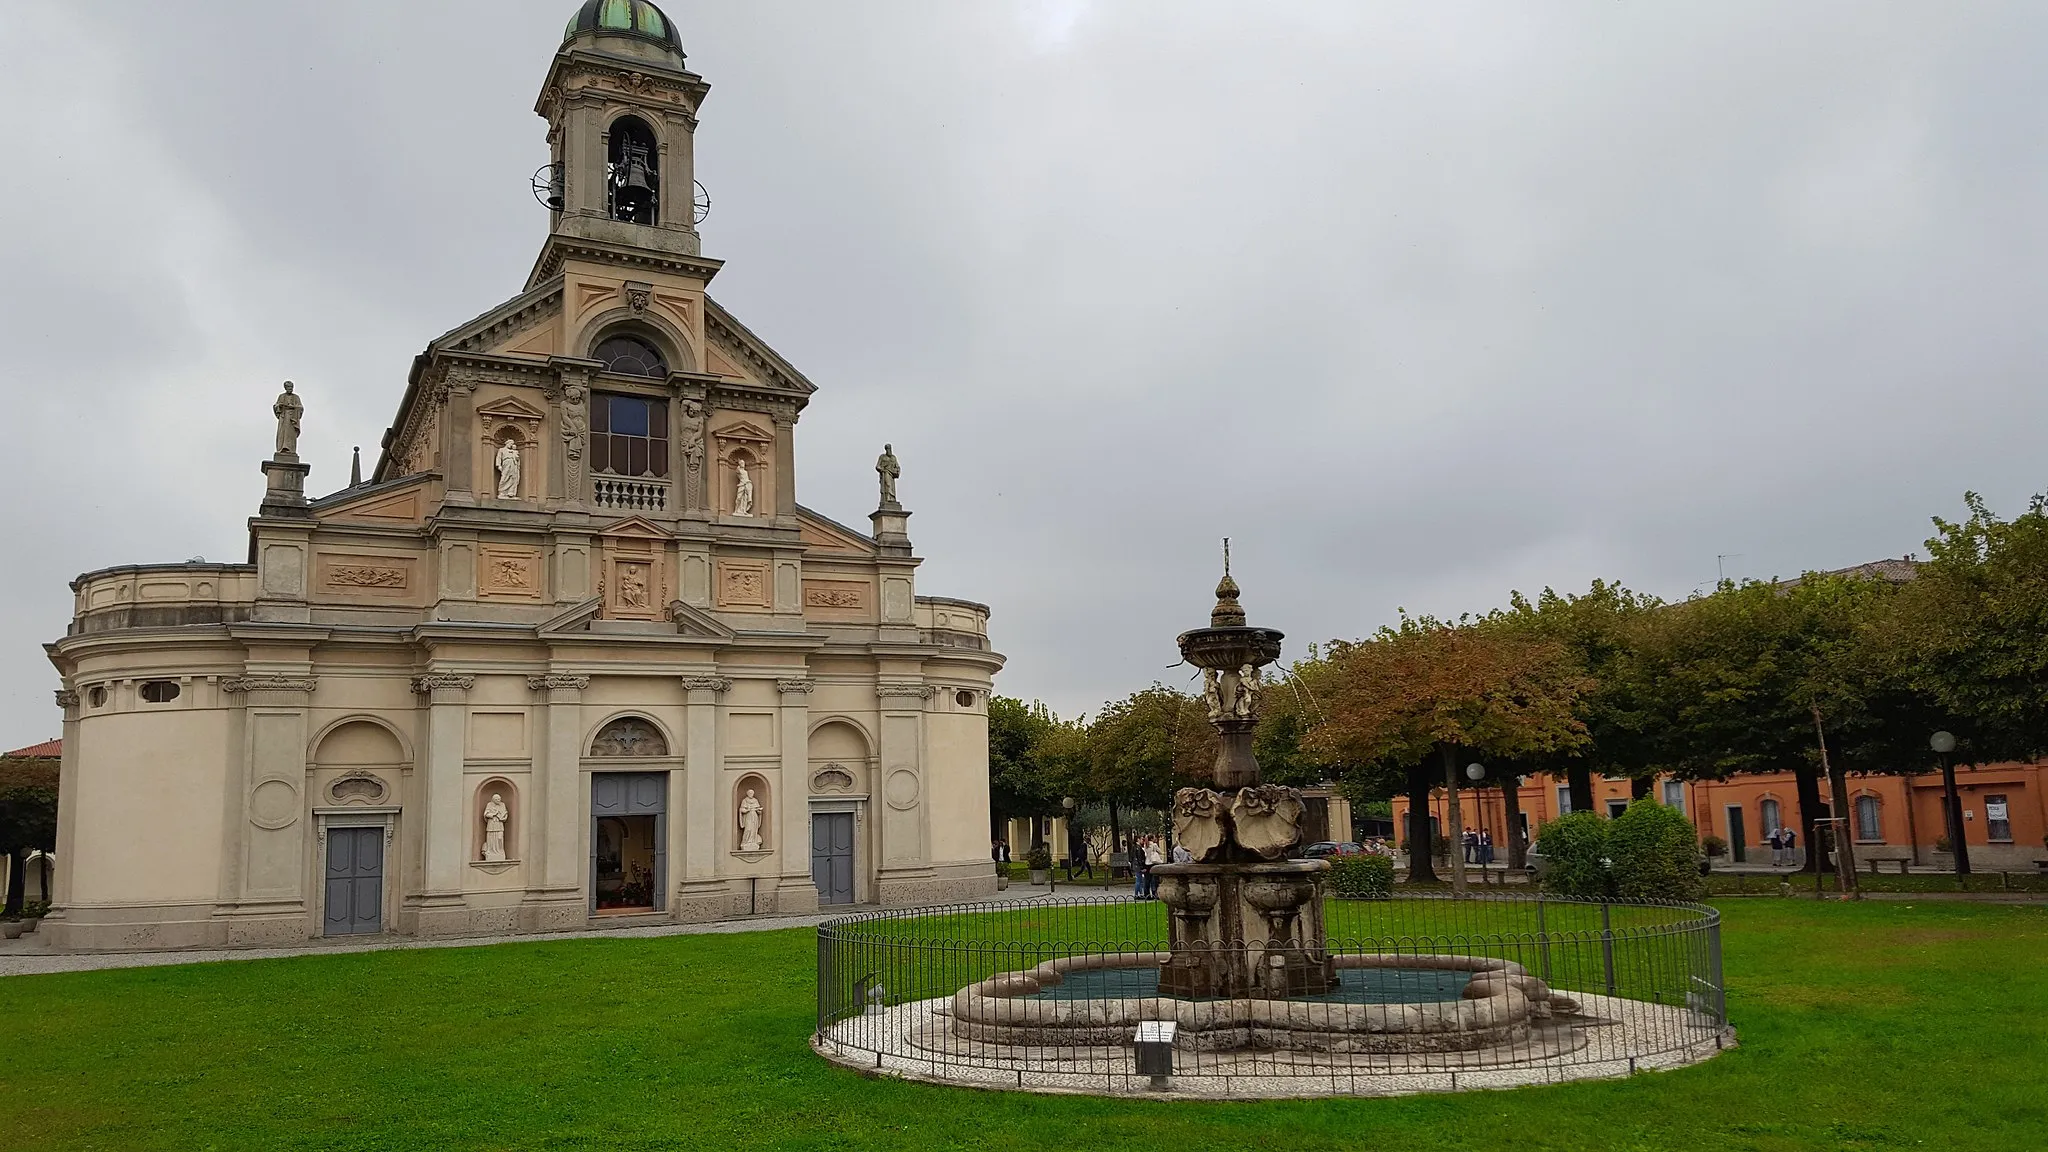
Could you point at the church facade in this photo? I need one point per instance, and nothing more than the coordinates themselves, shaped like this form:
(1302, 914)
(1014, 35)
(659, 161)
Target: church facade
(571, 654)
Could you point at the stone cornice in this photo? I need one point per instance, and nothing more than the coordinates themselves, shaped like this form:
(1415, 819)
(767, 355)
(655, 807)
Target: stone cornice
(269, 683)
(706, 683)
(552, 681)
(436, 681)
(562, 248)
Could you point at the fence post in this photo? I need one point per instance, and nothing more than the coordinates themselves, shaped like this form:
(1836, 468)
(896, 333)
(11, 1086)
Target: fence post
(1714, 967)
(1542, 938)
(1607, 943)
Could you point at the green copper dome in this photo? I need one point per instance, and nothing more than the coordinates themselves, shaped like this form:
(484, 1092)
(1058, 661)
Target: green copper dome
(629, 17)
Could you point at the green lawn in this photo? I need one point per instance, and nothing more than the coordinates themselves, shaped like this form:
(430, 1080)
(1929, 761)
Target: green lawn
(1863, 1026)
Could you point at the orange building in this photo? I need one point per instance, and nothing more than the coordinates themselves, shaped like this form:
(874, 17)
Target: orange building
(2005, 812)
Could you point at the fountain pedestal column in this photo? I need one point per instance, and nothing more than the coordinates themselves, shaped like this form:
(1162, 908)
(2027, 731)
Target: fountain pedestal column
(1245, 930)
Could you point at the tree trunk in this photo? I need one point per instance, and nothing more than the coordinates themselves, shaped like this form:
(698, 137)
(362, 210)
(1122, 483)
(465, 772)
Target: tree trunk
(1419, 783)
(1114, 830)
(1037, 831)
(1838, 783)
(1580, 777)
(17, 881)
(1639, 786)
(1809, 811)
(1511, 814)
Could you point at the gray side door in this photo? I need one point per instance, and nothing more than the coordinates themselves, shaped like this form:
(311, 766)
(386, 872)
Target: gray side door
(355, 882)
(1738, 840)
(832, 856)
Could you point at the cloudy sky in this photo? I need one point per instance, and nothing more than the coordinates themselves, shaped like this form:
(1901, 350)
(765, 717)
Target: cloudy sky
(1417, 303)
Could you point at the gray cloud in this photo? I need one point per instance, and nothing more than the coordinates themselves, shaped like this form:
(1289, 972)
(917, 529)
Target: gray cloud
(1418, 304)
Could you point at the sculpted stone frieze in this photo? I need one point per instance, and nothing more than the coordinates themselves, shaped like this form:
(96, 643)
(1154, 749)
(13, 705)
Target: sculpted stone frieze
(921, 691)
(365, 576)
(833, 597)
(269, 683)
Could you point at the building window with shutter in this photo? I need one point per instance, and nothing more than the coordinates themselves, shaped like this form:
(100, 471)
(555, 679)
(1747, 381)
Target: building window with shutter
(1869, 819)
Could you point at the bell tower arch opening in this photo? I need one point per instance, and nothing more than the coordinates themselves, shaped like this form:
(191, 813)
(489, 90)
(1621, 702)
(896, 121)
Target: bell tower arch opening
(632, 180)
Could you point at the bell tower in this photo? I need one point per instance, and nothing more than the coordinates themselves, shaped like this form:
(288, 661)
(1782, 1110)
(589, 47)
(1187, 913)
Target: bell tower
(621, 106)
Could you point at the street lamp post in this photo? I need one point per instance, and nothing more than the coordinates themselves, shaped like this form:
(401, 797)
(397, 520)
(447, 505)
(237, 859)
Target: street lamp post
(1475, 773)
(1943, 744)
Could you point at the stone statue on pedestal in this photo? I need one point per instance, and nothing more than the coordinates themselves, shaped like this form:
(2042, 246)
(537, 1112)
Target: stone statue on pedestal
(743, 492)
(288, 409)
(750, 823)
(495, 816)
(887, 467)
(507, 464)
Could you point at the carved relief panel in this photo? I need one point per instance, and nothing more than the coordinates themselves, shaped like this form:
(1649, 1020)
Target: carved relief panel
(366, 575)
(743, 585)
(508, 572)
(850, 600)
(635, 578)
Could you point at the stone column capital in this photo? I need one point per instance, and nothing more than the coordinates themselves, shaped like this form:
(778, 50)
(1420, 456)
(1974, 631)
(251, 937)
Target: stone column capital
(436, 685)
(795, 686)
(706, 683)
(555, 682)
(920, 691)
(67, 699)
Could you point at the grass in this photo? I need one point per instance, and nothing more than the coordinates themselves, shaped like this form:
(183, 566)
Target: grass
(1739, 883)
(1871, 1026)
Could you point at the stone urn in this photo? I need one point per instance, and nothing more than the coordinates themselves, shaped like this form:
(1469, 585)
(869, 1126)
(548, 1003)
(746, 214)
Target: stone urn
(12, 929)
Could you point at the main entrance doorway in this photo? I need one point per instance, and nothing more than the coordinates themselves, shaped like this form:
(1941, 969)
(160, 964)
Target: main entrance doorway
(628, 840)
(832, 856)
(1738, 840)
(355, 882)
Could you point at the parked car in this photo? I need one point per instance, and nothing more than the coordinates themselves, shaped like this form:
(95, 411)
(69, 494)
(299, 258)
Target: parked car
(1322, 848)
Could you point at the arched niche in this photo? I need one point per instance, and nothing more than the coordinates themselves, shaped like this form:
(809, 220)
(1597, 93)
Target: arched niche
(504, 792)
(629, 737)
(756, 785)
(358, 755)
(840, 756)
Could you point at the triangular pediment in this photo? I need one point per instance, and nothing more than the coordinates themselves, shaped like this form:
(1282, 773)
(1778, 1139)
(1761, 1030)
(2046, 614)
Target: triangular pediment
(697, 622)
(509, 326)
(637, 527)
(512, 407)
(822, 534)
(400, 501)
(575, 618)
(764, 363)
(745, 430)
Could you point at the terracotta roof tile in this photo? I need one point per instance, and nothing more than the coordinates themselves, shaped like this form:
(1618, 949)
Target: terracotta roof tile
(50, 749)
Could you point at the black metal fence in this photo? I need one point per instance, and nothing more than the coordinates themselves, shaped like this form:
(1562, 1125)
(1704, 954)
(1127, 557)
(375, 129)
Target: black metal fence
(1429, 992)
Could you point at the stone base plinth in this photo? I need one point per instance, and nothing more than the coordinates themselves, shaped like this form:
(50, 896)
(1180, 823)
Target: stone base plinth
(1245, 930)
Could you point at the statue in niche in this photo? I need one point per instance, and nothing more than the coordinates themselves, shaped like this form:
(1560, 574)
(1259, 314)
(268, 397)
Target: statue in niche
(693, 436)
(750, 823)
(495, 816)
(507, 464)
(890, 471)
(288, 409)
(743, 491)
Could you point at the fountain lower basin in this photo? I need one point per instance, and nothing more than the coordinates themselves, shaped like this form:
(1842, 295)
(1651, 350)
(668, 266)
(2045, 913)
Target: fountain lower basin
(1494, 1005)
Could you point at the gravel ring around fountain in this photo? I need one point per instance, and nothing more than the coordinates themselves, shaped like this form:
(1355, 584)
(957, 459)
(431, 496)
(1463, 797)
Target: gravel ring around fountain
(918, 1044)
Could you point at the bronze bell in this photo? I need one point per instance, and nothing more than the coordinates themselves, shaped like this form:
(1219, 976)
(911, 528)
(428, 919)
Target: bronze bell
(634, 187)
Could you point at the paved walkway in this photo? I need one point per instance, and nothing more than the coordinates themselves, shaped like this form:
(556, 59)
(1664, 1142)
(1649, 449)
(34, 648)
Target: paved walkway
(30, 956)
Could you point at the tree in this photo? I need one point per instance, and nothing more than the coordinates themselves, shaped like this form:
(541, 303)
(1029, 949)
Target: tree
(1420, 694)
(1143, 748)
(28, 820)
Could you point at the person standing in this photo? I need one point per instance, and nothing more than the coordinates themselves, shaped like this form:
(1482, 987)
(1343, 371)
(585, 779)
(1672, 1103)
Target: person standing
(1138, 867)
(1155, 855)
(1777, 844)
(1792, 859)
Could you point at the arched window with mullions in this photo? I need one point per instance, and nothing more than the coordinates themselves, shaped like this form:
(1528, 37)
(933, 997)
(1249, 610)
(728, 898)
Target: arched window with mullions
(630, 356)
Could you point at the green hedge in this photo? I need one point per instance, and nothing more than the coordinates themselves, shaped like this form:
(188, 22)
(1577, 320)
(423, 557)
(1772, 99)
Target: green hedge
(1655, 854)
(1367, 877)
(1574, 846)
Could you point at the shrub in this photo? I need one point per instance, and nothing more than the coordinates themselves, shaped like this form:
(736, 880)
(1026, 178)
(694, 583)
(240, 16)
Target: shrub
(1039, 859)
(1366, 877)
(1654, 853)
(1714, 846)
(1575, 849)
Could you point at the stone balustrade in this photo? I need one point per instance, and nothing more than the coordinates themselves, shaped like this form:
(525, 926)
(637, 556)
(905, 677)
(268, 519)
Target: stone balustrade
(162, 596)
